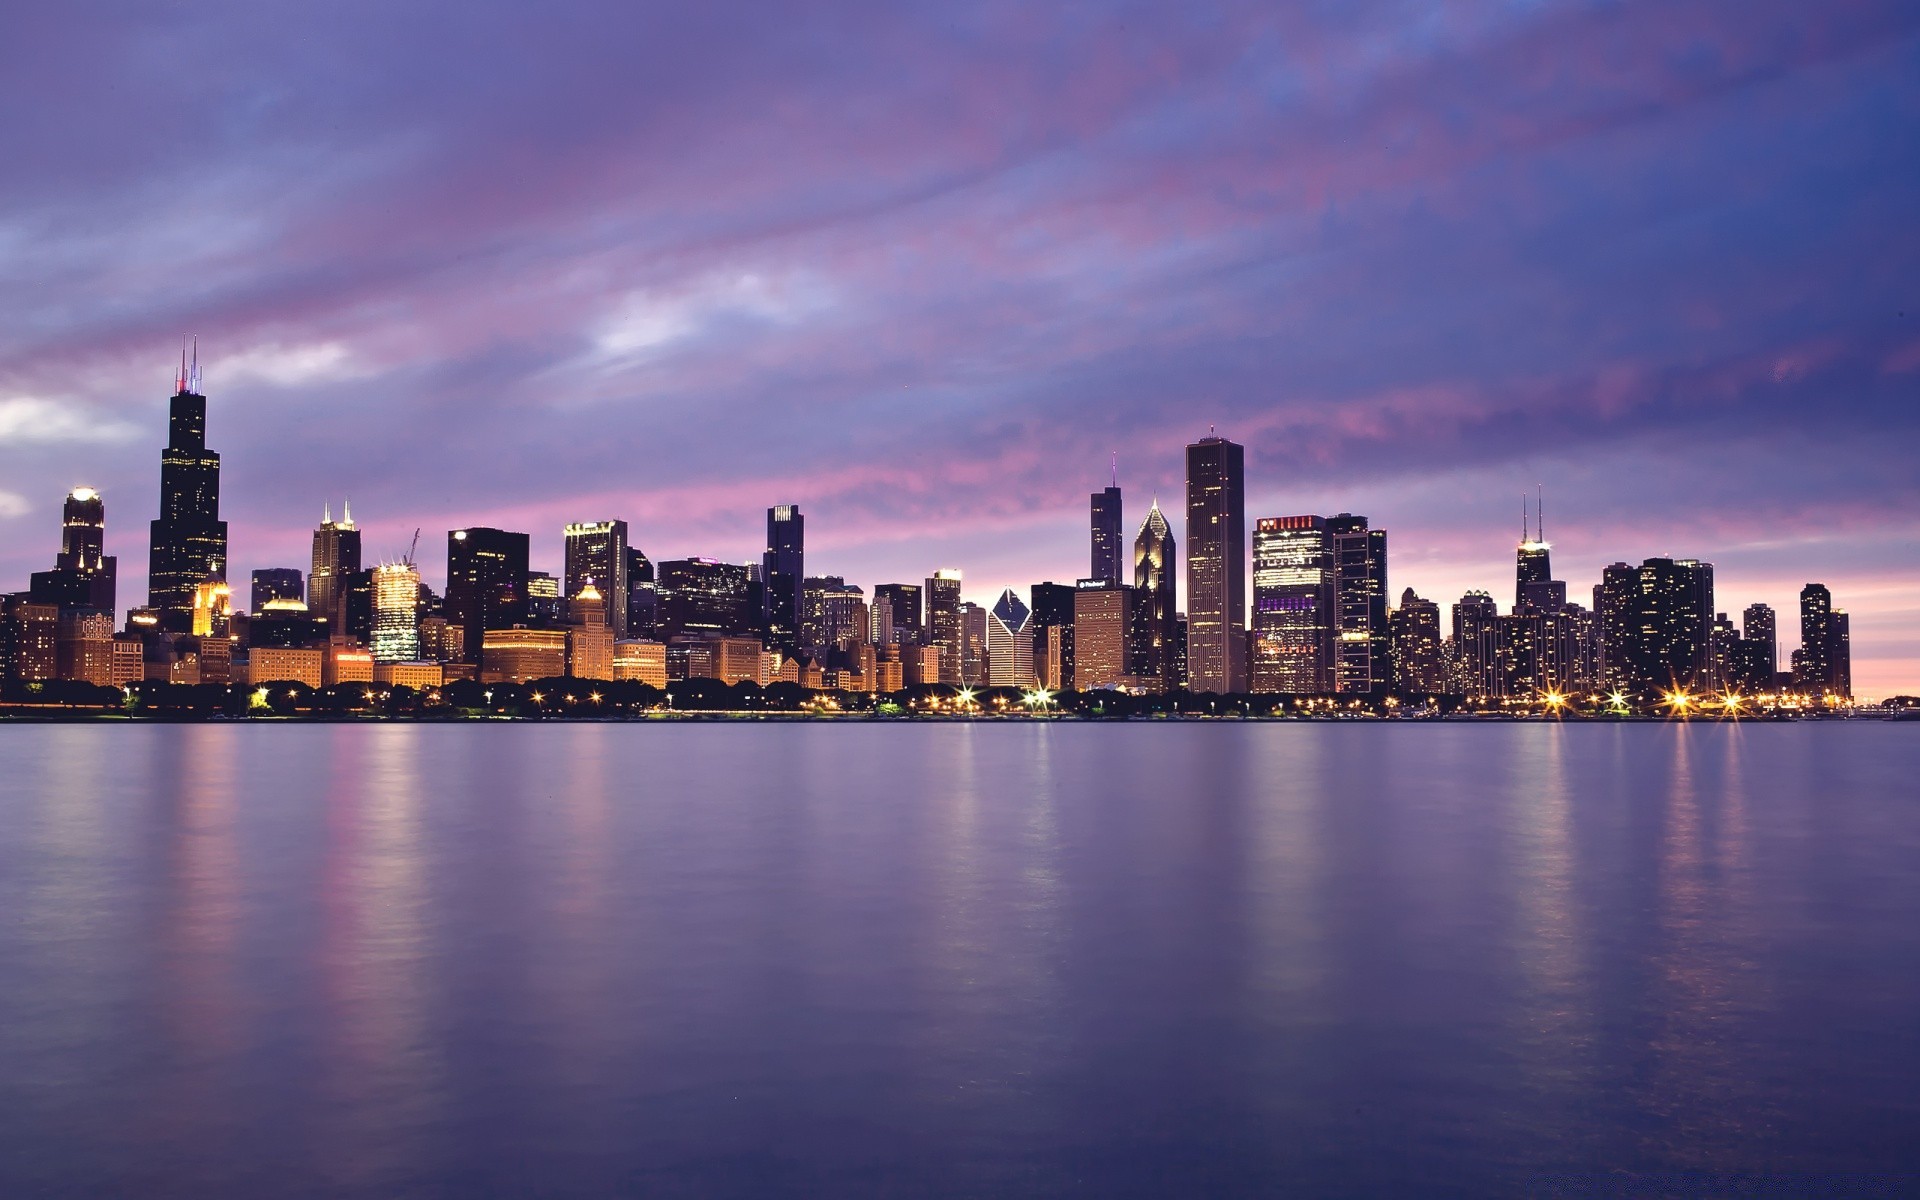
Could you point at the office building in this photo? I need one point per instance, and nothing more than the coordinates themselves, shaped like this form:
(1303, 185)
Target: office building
(1476, 663)
(486, 584)
(1293, 606)
(277, 583)
(287, 664)
(1825, 663)
(1102, 618)
(903, 601)
(783, 575)
(590, 640)
(520, 655)
(973, 644)
(420, 676)
(345, 662)
(597, 553)
(1759, 633)
(1670, 640)
(1616, 607)
(833, 613)
(1009, 642)
(545, 604)
(943, 623)
(920, 665)
(1106, 524)
(1535, 589)
(1051, 623)
(336, 555)
(706, 597)
(83, 575)
(188, 543)
(1216, 567)
(643, 598)
(1155, 563)
(1418, 666)
(1362, 645)
(396, 613)
(640, 660)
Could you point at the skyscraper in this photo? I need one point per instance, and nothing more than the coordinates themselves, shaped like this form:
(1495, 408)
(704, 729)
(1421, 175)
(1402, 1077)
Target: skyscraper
(336, 555)
(1670, 641)
(596, 552)
(783, 575)
(1476, 662)
(1051, 626)
(704, 596)
(1616, 606)
(643, 596)
(1216, 566)
(1102, 617)
(1104, 508)
(396, 613)
(1154, 566)
(189, 540)
(943, 623)
(1009, 642)
(1417, 665)
(1293, 614)
(973, 644)
(1535, 589)
(1825, 663)
(486, 583)
(83, 573)
(903, 599)
(1757, 626)
(1362, 647)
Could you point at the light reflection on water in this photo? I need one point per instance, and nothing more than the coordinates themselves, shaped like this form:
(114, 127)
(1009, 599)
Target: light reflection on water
(1021, 959)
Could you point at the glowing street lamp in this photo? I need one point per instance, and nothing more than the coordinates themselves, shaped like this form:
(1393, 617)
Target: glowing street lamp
(1678, 701)
(1039, 698)
(966, 698)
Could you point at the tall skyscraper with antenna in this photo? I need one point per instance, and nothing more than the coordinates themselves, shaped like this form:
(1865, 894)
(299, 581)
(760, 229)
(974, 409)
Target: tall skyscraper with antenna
(1535, 588)
(1104, 511)
(336, 555)
(1216, 565)
(189, 540)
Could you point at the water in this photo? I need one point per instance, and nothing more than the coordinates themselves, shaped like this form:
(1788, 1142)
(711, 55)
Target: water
(1101, 960)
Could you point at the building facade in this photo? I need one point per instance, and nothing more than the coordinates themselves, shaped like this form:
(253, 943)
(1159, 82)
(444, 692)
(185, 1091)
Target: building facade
(1216, 566)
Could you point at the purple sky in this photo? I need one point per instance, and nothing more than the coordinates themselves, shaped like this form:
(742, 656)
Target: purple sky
(920, 268)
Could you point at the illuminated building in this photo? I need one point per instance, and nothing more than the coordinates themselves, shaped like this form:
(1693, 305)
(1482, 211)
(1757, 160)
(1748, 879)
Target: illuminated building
(1102, 616)
(943, 623)
(286, 623)
(188, 540)
(1216, 569)
(704, 596)
(519, 654)
(1051, 624)
(396, 613)
(833, 613)
(920, 664)
(597, 553)
(1150, 655)
(1362, 648)
(544, 606)
(1104, 512)
(336, 555)
(889, 671)
(1475, 651)
(729, 659)
(590, 638)
(973, 644)
(1825, 664)
(1415, 629)
(277, 583)
(212, 609)
(486, 584)
(1009, 643)
(904, 601)
(1758, 627)
(1534, 587)
(643, 600)
(83, 647)
(640, 660)
(216, 659)
(880, 630)
(1670, 639)
(83, 574)
(1616, 605)
(441, 641)
(127, 660)
(783, 577)
(420, 676)
(287, 664)
(1293, 611)
(347, 663)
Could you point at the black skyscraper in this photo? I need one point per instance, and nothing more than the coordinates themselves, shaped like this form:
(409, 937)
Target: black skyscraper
(1108, 549)
(486, 583)
(783, 575)
(1150, 653)
(1362, 641)
(905, 599)
(1217, 566)
(83, 573)
(189, 540)
(1671, 638)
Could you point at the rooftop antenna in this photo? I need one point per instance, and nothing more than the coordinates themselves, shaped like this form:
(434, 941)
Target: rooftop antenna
(1114, 469)
(193, 372)
(1540, 512)
(326, 513)
(180, 380)
(346, 511)
(1523, 517)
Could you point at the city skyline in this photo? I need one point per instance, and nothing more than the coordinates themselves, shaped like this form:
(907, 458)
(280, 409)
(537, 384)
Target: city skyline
(932, 333)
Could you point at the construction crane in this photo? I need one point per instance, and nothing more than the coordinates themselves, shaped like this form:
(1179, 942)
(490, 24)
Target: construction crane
(411, 549)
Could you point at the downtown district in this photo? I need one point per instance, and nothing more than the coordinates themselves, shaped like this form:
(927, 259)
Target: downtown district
(616, 632)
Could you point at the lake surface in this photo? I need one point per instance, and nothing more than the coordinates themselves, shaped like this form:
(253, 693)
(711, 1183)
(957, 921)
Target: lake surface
(994, 959)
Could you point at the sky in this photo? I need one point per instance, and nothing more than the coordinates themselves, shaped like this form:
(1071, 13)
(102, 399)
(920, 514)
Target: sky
(921, 269)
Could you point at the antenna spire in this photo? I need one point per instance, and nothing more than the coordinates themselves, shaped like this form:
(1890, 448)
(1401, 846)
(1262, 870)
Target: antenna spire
(180, 379)
(346, 511)
(193, 372)
(1540, 512)
(326, 513)
(1113, 468)
(1523, 517)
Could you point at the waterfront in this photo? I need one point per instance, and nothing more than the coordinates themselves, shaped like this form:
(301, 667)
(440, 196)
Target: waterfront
(967, 958)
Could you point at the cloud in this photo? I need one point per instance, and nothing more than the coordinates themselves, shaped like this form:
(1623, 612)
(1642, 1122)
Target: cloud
(284, 366)
(29, 419)
(12, 505)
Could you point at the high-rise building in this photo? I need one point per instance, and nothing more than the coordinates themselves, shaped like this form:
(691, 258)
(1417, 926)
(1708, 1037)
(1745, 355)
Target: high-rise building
(643, 596)
(1616, 607)
(545, 604)
(1216, 566)
(336, 555)
(1476, 661)
(29, 639)
(1293, 606)
(783, 575)
(903, 600)
(943, 623)
(1102, 619)
(590, 640)
(1825, 662)
(1104, 510)
(396, 613)
(1051, 625)
(1009, 642)
(83, 575)
(1154, 571)
(1362, 647)
(597, 553)
(1534, 587)
(1758, 631)
(973, 644)
(277, 583)
(708, 597)
(189, 540)
(486, 583)
(833, 613)
(1417, 664)
(1670, 641)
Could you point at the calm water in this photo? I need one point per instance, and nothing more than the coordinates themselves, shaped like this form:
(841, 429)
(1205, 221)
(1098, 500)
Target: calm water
(1207, 959)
